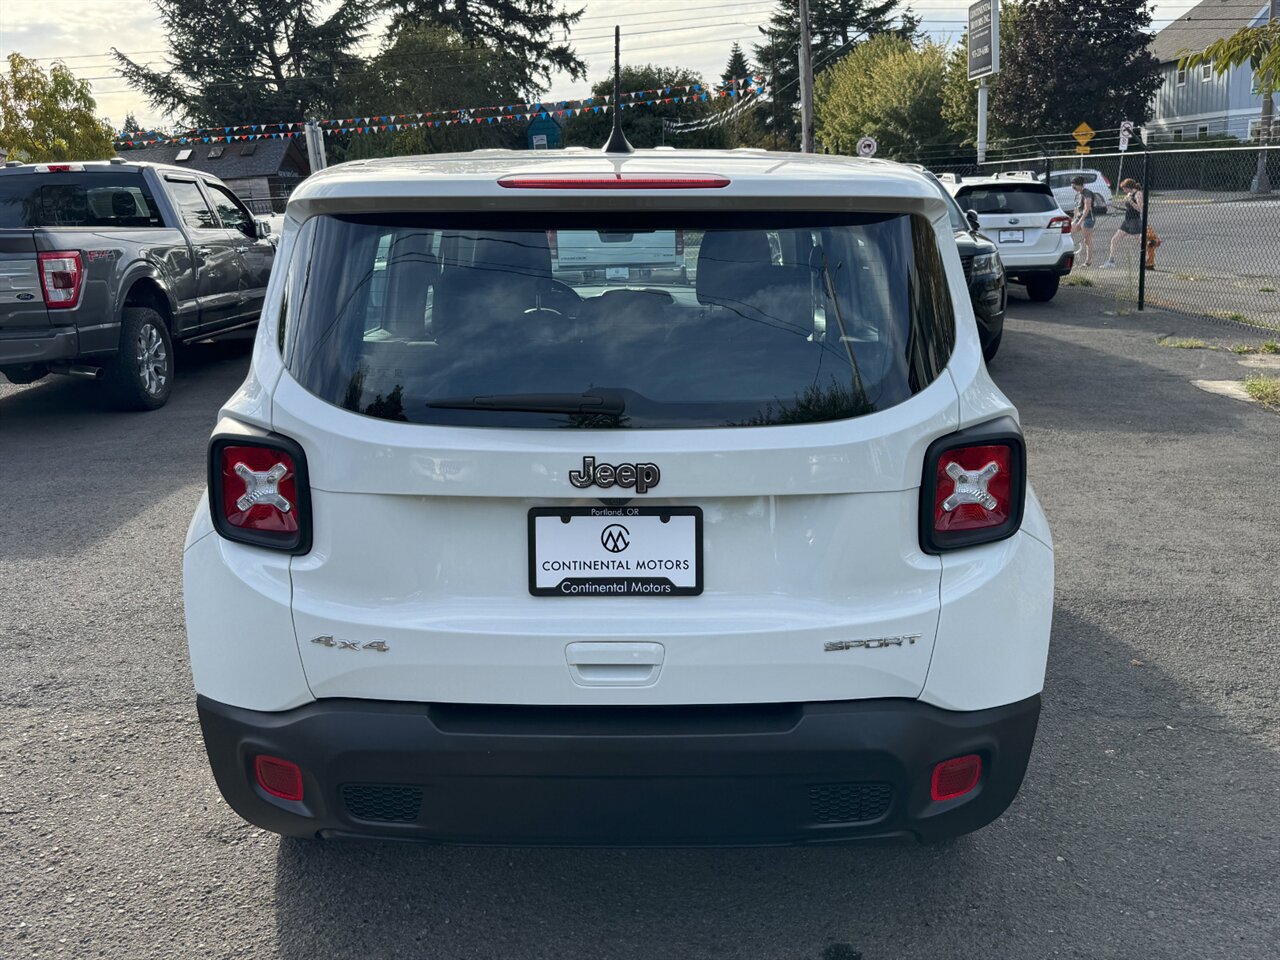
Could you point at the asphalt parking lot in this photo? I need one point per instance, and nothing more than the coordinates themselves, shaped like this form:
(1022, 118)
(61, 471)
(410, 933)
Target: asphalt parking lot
(1148, 826)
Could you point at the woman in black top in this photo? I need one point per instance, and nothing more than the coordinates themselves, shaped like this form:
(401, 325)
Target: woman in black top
(1131, 226)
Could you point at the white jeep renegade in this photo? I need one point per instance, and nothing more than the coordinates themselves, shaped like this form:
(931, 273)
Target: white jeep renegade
(498, 553)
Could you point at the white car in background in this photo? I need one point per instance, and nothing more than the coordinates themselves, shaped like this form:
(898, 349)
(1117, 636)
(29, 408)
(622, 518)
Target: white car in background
(491, 554)
(1065, 194)
(1019, 214)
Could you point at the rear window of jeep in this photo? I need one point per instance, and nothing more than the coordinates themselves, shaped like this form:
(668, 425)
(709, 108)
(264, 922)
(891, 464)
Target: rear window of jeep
(691, 320)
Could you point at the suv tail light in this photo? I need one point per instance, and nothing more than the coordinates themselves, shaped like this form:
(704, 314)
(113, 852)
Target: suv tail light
(259, 493)
(1064, 223)
(679, 243)
(553, 241)
(974, 487)
(1107, 181)
(61, 277)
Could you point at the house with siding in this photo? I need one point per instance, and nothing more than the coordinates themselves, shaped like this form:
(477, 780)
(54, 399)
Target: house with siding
(1199, 103)
(262, 173)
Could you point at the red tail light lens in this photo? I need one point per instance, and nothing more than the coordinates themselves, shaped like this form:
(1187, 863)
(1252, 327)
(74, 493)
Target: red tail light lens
(614, 181)
(553, 241)
(258, 492)
(679, 243)
(61, 277)
(280, 778)
(956, 777)
(974, 487)
(1060, 223)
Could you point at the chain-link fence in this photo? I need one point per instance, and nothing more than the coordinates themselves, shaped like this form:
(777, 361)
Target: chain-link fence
(1212, 243)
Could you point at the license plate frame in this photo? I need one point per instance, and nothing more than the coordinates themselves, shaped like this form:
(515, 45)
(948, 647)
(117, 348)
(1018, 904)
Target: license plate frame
(1008, 235)
(629, 583)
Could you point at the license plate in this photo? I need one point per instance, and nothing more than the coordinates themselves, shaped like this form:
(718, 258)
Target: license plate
(615, 551)
(1010, 236)
(617, 273)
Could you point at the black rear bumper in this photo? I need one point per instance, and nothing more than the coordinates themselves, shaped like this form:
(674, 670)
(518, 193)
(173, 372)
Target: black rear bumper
(620, 776)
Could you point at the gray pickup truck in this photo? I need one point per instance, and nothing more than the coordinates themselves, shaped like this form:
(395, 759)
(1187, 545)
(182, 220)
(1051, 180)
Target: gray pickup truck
(105, 265)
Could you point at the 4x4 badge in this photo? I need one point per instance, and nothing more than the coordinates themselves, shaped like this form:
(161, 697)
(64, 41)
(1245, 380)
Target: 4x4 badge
(642, 476)
(381, 646)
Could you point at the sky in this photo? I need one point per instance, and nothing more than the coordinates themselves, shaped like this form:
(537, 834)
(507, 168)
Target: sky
(688, 33)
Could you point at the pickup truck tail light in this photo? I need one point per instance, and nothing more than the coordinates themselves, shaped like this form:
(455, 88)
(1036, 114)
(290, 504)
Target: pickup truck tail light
(974, 487)
(1060, 223)
(61, 278)
(259, 493)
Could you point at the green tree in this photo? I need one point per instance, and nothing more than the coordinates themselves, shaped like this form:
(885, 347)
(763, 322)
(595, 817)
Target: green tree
(520, 30)
(643, 124)
(736, 68)
(130, 125)
(49, 116)
(835, 26)
(1071, 62)
(960, 94)
(453, 75)
(252, 61)
(1260, 48)
(886, 89)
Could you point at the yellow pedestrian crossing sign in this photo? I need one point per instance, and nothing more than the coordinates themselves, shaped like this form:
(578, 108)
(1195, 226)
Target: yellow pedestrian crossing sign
(1083, 134)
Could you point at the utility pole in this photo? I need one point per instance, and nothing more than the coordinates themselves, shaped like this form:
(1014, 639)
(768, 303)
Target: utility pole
(806, 81)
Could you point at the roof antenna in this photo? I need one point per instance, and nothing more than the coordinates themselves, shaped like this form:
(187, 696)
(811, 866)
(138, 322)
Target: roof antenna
(617, 142)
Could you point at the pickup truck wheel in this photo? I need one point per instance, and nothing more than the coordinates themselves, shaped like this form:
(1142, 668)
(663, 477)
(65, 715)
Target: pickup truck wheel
(140, 377)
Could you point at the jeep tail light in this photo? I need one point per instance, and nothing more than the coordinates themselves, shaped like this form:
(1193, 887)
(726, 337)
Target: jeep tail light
(258, 492)
(280, 778)
(553, 241)
(1060, 223)
(974, 487)
(61, 277)
(955, 777)
(679, 243)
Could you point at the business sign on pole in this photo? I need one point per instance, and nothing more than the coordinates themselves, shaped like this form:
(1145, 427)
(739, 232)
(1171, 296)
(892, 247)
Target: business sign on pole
(984, 39)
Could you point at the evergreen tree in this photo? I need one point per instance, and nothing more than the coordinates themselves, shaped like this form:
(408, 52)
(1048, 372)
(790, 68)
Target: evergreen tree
(736, 68)
(835, 27)
(130, 124)
(522, 30)
(49, 116)
(1101, 70)
(252, 61)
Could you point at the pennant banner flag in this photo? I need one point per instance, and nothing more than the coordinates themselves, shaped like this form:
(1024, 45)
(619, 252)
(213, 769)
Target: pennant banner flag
(690, 93)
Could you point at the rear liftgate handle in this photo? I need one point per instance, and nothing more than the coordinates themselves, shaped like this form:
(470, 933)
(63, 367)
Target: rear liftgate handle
(614, 663)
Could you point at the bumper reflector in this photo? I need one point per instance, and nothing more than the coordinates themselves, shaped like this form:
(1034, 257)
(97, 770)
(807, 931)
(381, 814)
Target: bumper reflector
(956, 777)
(280, 778)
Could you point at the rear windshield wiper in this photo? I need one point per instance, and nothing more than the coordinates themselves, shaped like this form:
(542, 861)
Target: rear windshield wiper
(536, 403)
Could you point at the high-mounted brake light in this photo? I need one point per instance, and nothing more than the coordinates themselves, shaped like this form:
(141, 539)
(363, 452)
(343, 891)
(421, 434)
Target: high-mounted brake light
(258, 492)
(1060, 223)
(613, 181)
(61, 277)
(974, 487)
(59, 167)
